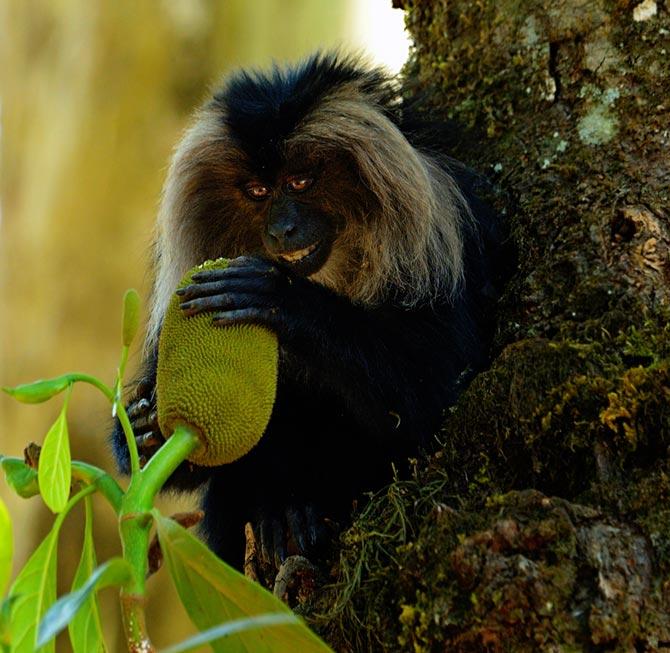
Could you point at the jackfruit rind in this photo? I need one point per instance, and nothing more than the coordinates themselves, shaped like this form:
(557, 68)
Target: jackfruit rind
(221, 381)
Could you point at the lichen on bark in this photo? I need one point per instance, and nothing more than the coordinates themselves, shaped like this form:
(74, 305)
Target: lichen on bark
(542, 520)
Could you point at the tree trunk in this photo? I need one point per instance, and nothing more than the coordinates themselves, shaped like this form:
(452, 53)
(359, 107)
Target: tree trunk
(542, 523)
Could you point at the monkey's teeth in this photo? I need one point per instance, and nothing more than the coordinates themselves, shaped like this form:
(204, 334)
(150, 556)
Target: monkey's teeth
(292, 257)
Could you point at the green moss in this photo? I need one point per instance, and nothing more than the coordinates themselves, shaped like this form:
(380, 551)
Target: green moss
(507, 576)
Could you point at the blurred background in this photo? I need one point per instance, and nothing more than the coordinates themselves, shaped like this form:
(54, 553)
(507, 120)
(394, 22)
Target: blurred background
(93, 95)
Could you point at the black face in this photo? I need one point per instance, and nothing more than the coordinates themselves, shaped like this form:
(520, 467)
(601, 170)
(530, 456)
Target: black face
(296, 231)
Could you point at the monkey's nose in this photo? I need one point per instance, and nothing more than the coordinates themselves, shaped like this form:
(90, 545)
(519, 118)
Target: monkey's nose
(280, 232)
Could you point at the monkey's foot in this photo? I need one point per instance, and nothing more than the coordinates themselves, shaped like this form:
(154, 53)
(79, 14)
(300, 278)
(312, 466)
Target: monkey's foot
(296, 581)
(297, 530)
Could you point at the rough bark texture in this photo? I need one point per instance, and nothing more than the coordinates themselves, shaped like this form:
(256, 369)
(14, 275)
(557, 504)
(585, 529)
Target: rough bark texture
(542, 523)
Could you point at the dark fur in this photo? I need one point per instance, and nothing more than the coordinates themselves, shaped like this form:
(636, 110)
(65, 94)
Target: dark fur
(263, 111)
(361, 385)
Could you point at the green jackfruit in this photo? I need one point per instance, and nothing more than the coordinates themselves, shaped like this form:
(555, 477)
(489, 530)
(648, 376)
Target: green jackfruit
(220, 381)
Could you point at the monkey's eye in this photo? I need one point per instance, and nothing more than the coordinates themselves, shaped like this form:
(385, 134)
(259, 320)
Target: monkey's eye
(299, 184)
(257, 191)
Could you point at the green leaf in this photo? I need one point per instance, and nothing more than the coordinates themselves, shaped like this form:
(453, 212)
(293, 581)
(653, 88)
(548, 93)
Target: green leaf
(39, 391)
(55, 466)
(20, 477)
(6, 605)
(230, 628)
(6, 547)
(131, 315)
(5, 626)
(112, 573)
(34, 589)
(85, 627)
(213, 592)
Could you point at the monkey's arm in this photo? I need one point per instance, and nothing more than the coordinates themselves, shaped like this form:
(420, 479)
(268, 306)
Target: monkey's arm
(393, 368)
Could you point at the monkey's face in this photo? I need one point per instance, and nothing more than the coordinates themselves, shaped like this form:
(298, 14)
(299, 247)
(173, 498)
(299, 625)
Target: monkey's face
(303, 204)
(300, 211)
(294, 229)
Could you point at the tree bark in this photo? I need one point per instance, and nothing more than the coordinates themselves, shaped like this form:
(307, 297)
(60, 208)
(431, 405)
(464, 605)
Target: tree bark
(542, 522)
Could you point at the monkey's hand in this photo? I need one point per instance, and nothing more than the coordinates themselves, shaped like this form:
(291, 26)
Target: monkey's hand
(142, 415)
(144, 421)
(250, 290)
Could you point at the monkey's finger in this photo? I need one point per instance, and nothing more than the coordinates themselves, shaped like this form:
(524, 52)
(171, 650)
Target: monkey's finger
(145, 422)
(222, 286)
(279, 543)
(149, 440)
(225, 302)
(220, 274)
(296, 527)
(256, 262)
(264, 316)
(239, 267)
(137, 408)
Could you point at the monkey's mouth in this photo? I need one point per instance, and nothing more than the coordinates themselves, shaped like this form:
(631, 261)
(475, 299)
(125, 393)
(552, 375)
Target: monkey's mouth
(299, 254)
(308, 260)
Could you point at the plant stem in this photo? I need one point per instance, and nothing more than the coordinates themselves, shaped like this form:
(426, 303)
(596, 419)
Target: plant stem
(176, 449)
(120, 411)
(130, 436)
(71, 504)
(87, 378)
(103, 482)
(135, 530)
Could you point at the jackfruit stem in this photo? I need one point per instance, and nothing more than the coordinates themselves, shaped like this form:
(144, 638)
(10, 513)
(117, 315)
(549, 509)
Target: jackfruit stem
(183, 441)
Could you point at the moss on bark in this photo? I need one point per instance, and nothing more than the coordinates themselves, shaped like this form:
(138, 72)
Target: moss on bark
(542, 522)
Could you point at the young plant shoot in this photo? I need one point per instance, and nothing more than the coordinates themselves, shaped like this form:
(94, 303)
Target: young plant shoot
(233, 613)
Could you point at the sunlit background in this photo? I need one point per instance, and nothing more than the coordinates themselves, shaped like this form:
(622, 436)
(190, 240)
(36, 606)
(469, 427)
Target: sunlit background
(94, 94)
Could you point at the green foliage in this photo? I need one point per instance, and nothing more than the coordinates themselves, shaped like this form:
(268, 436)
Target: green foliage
(34, 589)
(5, 627)
(211, 591)
(20, 477)
(55, 465)
(6, 546)
(6, 553)
(218, 599)
(131, 316)
(85, 627)
(39, 391)
(112, 573)
(232, 628)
